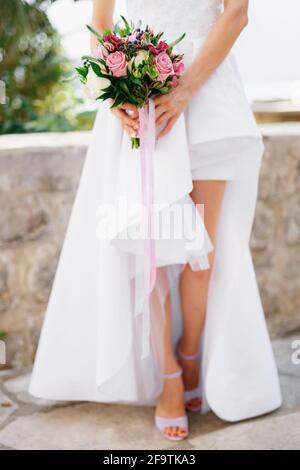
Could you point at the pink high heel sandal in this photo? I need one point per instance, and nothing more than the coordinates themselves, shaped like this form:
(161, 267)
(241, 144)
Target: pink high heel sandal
(180, 421)
(194, 392)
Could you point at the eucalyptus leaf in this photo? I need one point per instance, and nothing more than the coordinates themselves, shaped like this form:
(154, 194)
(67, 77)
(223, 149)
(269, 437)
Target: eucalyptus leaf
(90, 58)
(96, 33)
(172, 44)
(127, 25)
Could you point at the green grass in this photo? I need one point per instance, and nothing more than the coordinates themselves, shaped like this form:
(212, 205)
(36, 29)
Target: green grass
(2, 334)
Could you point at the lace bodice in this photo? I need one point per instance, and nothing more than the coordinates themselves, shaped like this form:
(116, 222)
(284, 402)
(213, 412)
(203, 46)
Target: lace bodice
(174, 17)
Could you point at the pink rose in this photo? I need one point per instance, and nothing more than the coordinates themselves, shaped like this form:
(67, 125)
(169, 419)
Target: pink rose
(164, 66)
(178, 67)
(101, 52)
(116, 62)
(109, 46)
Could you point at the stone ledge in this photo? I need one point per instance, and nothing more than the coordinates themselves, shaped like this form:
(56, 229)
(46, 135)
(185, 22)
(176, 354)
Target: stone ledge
(281, 129)
(44, 139)
(82, 138)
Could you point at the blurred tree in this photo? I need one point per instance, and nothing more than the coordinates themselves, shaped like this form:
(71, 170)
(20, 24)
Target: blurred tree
(33, 65)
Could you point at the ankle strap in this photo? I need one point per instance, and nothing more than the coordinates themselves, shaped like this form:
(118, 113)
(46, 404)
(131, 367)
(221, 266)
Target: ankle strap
(187, 357)
(173, 375)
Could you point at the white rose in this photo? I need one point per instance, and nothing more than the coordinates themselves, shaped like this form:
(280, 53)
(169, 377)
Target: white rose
(129, 64)
(141, 56)
(138, 59)
(94, 85)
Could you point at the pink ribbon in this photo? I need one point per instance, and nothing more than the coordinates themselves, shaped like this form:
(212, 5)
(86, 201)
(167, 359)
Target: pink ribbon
(147, 146)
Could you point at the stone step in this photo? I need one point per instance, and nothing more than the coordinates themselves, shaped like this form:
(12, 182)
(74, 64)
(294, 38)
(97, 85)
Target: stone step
(98, 426)
(30, 423)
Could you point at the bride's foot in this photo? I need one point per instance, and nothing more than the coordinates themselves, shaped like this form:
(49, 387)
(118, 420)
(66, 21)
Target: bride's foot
(190, 366)
(170, 415)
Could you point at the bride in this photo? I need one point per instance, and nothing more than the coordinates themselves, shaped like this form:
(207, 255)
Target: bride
(202, 343)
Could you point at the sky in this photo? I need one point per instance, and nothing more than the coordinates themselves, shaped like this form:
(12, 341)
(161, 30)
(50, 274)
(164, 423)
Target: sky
(267, 51)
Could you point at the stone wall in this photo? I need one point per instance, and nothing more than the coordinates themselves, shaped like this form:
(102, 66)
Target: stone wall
(275, 239)
(38, 179)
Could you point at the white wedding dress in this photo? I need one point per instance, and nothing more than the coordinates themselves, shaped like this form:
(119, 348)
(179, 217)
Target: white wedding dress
(96, 344)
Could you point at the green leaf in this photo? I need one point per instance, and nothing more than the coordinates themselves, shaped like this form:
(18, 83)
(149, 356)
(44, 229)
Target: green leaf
(96, 68)
(2, 334)
(158, 85)
(106, 96)
(83, 71)
(96, 33)
(113, 80)
(152, 72)
(135, 142)
(136, 81)
(107, 32)
(172, 44)
(147, 38)
(127, 25)
(119, 100)
(137, 72)
(109, 92)
(156, 38)
(164, 89)
(133, 100)
(118, 30)
(124, 87)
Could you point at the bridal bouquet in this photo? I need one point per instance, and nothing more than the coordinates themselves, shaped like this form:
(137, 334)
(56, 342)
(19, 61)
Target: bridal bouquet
(130, 64)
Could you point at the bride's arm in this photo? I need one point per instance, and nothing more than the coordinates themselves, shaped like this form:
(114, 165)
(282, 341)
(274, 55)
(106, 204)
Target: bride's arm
(102, 18)
(217, 45)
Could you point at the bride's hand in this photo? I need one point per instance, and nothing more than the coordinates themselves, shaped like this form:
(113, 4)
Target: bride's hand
(169, 107)
(129, 122)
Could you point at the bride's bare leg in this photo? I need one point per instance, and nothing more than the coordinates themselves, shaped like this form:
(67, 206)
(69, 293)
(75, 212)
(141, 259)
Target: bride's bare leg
(194, 284)
(171, 403)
